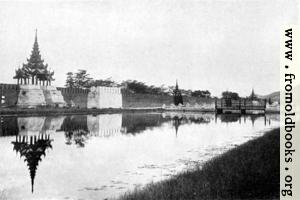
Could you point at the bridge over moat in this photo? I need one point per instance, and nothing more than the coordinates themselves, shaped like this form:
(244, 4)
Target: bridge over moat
(242, 106)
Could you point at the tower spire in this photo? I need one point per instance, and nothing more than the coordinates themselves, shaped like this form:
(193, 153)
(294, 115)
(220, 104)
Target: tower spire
(35, 39)
(177, 95)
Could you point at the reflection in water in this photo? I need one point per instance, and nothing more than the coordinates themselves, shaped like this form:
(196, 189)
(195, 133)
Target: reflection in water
(187, 118)
(114, 124)
(8, 126)
(105, 125)
(52, 124)
(30, 125)
(76, 130)
(76, 122)
(231, 118)
(32, 148)
(79, 137)
(137, 123)
(179, 119)
(128, 139)
(176, 123)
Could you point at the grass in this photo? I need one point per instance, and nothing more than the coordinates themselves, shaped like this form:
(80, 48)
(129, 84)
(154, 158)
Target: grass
(250, 171)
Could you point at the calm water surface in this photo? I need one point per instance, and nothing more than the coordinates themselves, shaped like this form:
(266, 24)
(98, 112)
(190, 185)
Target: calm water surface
(103, 156)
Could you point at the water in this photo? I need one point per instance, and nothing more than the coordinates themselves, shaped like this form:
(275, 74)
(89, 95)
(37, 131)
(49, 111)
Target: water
(103, 156)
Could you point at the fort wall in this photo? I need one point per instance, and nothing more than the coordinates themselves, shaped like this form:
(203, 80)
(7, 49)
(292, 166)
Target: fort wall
(152, 100)
(31, 96)
(9, 95)
(75, 97)
(145, 100)
(104, 97)
(53, 97)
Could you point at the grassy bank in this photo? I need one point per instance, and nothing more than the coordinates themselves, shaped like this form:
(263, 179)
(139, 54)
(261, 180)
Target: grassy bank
(250, 171)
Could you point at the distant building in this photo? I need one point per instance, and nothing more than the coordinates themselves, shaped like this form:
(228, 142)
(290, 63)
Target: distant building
(249, 105)
(253, 96)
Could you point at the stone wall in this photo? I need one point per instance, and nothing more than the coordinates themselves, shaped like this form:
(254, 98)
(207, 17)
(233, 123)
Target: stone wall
(151, 100)
(104, 97)
(53, 97)
(75, 97)
(145, 100)
(31, 96)
(8, 95)
(37, 95)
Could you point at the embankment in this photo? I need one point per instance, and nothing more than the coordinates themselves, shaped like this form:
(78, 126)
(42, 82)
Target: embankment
(250, 171)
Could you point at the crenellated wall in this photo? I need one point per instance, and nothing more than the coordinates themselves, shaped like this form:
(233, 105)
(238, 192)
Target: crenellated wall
(152, 100)
(100, 97)
(75, 97)
(53, 97)
(104, 97)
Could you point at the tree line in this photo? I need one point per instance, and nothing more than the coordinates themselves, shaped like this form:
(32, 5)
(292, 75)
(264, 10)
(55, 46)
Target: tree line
(82, 79)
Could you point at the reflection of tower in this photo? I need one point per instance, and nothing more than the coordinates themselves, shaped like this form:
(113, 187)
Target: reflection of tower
(253, 118)
(176, 123)
(30, 125)
(32, 148)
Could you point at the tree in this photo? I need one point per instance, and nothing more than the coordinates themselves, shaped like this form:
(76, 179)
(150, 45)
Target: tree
(201, 93)
(82, 79)
(231, 95)
(70, 82)
(106, 83)
(136, 86)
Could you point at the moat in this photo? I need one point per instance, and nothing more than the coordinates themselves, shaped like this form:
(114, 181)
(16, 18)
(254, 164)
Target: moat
(103, 156)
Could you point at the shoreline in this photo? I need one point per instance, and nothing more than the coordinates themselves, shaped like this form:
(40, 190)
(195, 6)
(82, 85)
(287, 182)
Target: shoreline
(73, 111)
(249, 171)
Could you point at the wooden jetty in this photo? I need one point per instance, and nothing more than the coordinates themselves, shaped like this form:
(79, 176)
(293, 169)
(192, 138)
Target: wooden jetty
(241, 106)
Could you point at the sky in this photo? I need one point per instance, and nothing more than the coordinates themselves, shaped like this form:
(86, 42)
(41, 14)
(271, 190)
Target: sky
(204, 44)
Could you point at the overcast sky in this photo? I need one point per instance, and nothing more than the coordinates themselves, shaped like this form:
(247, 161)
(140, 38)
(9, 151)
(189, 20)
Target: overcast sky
(214, 45)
